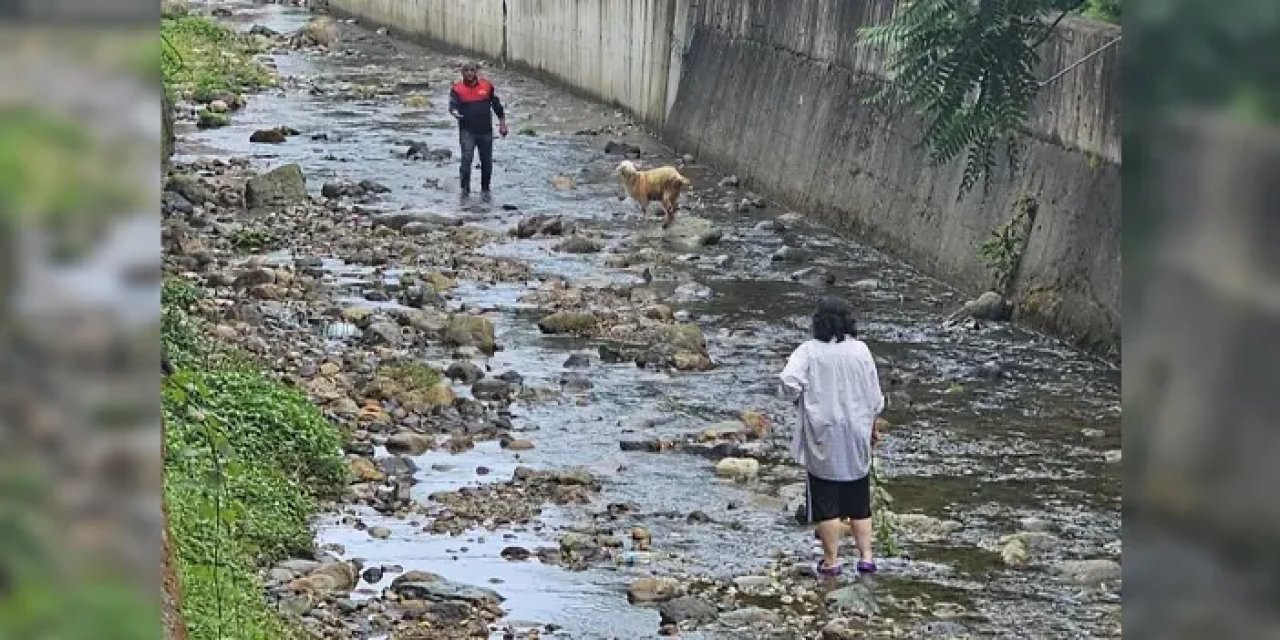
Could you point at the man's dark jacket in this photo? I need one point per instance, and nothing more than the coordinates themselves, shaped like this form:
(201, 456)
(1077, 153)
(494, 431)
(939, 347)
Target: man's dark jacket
(473, 103)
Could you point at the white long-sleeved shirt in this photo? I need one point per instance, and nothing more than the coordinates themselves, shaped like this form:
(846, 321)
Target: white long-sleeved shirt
(840, 395)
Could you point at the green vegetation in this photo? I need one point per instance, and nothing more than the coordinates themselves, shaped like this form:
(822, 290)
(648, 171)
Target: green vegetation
(246, 460)
(882, 519)
(253, 240)
(411, 375)
(1102, 10)
(1002, 251)
(969, 70)
(207, 58)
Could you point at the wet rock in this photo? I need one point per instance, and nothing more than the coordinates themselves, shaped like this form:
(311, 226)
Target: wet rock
(365, 470)
(750, 617)
(297, 605)
(517, 445)
(814, 276)
(491, 389)
(855, 599)
(464, 372)
(319, 32)
(268, 136)
(1034, 524)
(1088, 572)
(1113, 456)
(614, 147)
(474, 331)
(362, 317)
(739, 468)
(690, 361)
(654, 589)
(866, 284)
(578, 245)
(337, 577)
(384, 333)
(568, 322)
(279, 187)
(189, 188)
(174, 202)
(687, 609)
(263, 30)
(511, 377)
(697, 517)
(1014, 554)
(516, 554)
(575, 382)
(989, 371)
(923, 528)
(379, 533)
(660, 312)
(419, 297)
(842, 629)
(438, 589)
(409, 443)
(254, 277)
(541, 225)
(610, 353)
(728, 182)
(1033, 541)
(577, 361)
(692, 292)
(422, 151)
(988, 306)
(789, 254)
(397, 466)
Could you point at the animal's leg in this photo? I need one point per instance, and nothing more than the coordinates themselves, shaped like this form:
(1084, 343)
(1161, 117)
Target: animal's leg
(669, 205)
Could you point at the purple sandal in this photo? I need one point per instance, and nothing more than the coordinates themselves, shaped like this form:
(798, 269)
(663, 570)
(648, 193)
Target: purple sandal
(829, 572)
(866, 567)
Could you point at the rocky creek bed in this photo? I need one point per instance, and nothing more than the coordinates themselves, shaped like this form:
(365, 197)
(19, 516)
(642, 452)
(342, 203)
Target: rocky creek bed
(561, 420)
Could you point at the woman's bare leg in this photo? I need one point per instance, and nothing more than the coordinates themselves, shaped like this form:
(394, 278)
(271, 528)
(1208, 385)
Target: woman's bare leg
(830, 532)
(862, 536)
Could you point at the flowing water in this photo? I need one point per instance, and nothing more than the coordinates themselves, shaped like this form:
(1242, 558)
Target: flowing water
(984, 452)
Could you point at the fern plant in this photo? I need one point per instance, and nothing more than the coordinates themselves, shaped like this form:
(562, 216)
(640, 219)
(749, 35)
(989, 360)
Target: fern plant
(968, 67)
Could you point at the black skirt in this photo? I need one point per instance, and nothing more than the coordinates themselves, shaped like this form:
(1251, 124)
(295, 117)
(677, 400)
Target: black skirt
(835, 499)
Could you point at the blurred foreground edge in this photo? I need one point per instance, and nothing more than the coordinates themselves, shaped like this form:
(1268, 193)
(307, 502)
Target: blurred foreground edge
(103, 13)
(1202, 514)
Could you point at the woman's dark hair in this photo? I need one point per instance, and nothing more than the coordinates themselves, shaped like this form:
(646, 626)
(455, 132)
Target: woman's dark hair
(833, 320)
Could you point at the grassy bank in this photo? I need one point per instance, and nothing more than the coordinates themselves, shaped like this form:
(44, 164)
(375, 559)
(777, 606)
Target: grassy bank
(205, 61)
(246, 460)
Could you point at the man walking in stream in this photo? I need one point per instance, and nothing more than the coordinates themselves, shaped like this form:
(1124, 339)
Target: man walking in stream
(471, 102)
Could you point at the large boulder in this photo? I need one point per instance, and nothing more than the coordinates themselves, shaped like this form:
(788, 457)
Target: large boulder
(474, 331)
(279, 187)
(568, 322)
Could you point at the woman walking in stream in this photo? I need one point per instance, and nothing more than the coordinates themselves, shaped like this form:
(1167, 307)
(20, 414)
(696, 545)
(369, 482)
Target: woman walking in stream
(833, 379)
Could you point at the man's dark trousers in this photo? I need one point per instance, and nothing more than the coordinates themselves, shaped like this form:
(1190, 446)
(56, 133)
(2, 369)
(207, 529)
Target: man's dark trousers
(470, 143)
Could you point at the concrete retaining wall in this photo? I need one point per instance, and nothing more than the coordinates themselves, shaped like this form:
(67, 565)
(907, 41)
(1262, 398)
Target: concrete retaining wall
(473, 25)
(772, 90)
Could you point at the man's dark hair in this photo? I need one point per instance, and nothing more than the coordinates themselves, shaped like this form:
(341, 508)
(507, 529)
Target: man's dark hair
(833, 320)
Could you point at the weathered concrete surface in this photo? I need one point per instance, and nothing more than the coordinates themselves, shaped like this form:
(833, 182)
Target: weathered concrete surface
(773, 91)
(474, 25)
(619, 51)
